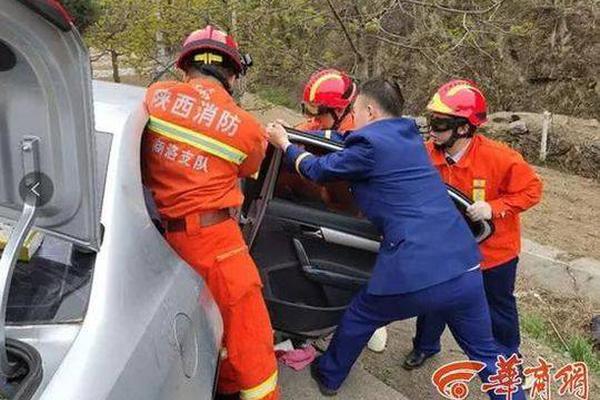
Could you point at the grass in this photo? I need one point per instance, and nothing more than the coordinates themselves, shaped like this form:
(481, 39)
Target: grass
(579, 346)
(277, 95)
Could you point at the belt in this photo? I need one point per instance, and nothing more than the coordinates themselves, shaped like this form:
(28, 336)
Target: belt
(204, 219)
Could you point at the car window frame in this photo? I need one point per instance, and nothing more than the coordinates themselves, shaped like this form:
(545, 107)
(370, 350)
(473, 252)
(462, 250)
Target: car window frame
(256, 214)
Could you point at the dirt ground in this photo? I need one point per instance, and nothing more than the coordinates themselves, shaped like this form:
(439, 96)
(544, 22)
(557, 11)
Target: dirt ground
(568, 216)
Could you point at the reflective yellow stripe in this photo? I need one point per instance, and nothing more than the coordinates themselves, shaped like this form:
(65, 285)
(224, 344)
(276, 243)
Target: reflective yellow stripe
(318, 82)
(208, 58)
(453, 91)
(197, 140)
(437, 105)
(260, 391)
(299, 160)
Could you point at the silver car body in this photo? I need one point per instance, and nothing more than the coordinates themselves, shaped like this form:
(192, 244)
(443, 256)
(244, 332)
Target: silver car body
(152, 329)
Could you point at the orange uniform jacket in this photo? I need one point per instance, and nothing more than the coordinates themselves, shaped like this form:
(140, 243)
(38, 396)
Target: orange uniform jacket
(197, 144)
(492, 172)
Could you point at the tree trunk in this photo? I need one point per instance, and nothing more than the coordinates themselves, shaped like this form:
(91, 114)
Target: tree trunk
(114, 58)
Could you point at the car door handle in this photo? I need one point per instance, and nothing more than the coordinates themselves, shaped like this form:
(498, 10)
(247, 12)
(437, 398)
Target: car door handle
(324, 276)
(301, 253)
(312, 233)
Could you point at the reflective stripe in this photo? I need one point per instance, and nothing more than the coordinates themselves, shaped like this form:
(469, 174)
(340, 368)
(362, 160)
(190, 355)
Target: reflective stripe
(299, 160)
(437, 105)
(328, 134)
(208, 58)
(197, 140)
(318, 82)
(260, 391)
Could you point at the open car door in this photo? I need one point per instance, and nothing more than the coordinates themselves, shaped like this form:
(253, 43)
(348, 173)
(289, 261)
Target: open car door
(313, 247)
(47, 174)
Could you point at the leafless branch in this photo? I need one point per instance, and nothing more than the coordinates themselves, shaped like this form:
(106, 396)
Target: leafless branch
(455, 10)
(345, 29)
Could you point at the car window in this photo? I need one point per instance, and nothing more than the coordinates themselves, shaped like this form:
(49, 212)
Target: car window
(332, 196)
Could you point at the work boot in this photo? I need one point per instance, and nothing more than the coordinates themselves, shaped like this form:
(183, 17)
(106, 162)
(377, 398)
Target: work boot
(378, 340)
(415, 359)
(316, 375)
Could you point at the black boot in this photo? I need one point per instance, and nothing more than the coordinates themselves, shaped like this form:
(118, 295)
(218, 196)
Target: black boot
(415, 359)
(316, 375)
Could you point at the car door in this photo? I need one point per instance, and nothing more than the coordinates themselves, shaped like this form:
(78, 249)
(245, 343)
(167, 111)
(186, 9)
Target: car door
(311, 243)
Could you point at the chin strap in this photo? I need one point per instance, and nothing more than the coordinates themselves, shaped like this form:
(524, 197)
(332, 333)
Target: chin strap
(337, 121)
(450, 142)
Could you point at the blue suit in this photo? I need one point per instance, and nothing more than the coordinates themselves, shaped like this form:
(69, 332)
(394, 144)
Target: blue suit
(428, 258)
(398, 189)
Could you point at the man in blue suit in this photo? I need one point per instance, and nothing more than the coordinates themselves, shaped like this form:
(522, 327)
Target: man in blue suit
(428, 260)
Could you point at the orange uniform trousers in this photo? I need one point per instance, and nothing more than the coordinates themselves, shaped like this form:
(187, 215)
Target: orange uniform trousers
(220, 255)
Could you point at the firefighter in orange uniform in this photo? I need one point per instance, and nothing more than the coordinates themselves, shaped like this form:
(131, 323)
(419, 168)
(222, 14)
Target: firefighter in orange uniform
(502, 185)
(197, 144)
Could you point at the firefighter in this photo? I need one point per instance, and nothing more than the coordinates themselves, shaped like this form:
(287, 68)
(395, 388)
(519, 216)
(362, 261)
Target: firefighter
(327, 101)
(502, 185)
(398, 189)
(196, 146)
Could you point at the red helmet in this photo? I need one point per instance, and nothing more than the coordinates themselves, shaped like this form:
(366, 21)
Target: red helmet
(219, 42)
(327, 89)
(460, 98)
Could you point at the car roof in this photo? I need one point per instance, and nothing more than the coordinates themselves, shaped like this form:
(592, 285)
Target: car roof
(114, 103)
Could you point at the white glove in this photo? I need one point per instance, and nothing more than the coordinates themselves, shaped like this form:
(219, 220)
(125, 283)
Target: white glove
(479, 211)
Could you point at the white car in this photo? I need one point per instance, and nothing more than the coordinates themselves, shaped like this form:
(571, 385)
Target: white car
(106, 309)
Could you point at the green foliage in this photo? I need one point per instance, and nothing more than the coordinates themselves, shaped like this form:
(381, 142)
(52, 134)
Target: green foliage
(525, 54)
(579, 348)
(83, 11)
(582, 349)
(277, 95)
(535, 326)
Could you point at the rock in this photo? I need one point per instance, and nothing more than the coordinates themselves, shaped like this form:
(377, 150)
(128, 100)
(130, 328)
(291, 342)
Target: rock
(596, 329)
(573, 143)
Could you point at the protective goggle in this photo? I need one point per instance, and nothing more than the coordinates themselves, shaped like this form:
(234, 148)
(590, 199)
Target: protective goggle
(436, 124)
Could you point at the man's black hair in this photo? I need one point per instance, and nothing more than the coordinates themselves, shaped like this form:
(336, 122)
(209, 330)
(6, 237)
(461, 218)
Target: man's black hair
(221, 72)
(386, 93)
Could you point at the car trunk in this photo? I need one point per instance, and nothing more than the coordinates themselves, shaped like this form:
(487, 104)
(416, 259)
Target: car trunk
(47, 183)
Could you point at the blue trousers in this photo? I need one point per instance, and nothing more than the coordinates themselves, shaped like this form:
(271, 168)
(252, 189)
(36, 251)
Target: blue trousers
(461, 302)
(499, 284)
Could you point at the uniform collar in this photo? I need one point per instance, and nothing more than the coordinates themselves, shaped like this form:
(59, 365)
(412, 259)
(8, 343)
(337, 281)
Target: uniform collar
(347, 123)
(438, 157)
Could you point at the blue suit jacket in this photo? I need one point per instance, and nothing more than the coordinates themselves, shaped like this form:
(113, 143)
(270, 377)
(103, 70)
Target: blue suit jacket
(425, 239)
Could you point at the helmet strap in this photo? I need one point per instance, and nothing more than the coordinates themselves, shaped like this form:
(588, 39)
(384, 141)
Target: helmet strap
(210, 70)
(337, 120)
